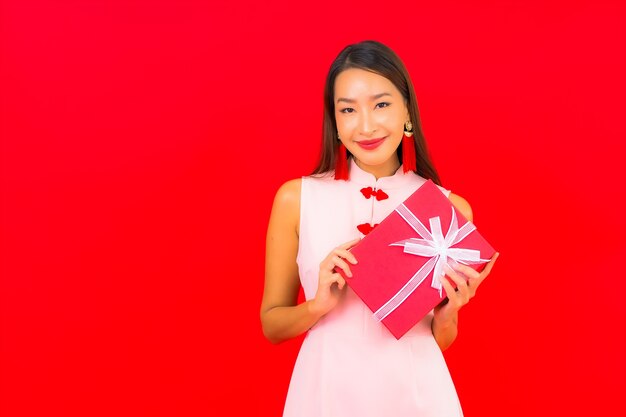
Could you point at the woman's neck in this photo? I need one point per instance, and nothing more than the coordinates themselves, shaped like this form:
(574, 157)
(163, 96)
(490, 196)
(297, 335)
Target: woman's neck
(386, 169)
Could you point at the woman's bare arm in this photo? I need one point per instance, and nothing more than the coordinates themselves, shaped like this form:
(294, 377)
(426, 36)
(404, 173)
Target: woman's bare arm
(281, 317)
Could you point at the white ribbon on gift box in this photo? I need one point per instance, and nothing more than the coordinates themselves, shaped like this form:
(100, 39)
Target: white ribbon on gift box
(435, 246)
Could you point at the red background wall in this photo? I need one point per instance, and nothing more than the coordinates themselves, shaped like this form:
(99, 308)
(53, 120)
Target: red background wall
(143, 142)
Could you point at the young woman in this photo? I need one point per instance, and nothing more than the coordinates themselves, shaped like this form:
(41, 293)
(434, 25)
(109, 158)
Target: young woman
(349, 364)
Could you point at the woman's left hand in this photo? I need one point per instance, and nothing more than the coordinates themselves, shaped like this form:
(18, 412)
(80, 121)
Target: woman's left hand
(465, 290)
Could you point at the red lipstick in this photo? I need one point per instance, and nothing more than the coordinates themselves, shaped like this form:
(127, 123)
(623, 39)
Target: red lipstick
(370, 143)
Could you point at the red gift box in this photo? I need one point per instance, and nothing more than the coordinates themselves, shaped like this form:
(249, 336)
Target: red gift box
(401, 261)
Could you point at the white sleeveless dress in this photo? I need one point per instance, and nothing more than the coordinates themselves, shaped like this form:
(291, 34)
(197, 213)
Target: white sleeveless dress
(349, 364)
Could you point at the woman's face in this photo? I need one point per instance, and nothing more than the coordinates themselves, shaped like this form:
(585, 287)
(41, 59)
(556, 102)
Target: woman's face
(370, 113)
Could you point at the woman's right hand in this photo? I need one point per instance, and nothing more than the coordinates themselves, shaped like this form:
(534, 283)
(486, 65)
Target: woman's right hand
(328, 294)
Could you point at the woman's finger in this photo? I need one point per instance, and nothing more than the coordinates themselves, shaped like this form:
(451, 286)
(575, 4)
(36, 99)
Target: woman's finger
(340, 281)
(346, 255)
(450, 291)
(458, 279)
(473, 280)
(488, 267)
(468, 271)
(474, 283)
(339, 262)
(462, 289)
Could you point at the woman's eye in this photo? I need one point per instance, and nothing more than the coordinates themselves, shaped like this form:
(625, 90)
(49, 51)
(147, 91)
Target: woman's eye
(347, 110)
(383, 104)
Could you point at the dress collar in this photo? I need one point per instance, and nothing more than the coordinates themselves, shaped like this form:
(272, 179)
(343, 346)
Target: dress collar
(361, 177)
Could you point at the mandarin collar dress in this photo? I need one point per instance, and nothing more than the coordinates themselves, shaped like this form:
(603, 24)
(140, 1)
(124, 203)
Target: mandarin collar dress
(349, 364)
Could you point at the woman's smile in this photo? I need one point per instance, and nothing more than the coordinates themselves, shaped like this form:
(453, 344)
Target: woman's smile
(371, 144)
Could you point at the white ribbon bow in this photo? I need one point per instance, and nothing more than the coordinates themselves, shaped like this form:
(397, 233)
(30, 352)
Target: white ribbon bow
(435, 246)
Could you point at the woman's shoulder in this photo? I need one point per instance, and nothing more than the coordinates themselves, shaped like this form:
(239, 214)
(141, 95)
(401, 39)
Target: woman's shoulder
(286, 207)
(288, 194)
(462, 205)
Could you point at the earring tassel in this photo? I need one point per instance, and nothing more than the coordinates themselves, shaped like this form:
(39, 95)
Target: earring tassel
(409, 162)
(341, 165)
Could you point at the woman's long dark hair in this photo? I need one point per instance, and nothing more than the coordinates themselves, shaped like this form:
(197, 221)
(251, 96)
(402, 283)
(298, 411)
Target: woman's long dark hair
(375, 57)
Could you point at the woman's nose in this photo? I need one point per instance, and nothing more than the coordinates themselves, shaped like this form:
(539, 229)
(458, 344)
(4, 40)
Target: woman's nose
(367, 124)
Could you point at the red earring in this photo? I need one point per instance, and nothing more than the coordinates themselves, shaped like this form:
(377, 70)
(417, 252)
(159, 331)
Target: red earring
(409, 162)
(341, 163)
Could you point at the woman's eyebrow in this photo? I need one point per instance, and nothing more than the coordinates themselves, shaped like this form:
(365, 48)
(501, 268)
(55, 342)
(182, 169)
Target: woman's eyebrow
(374, 97)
